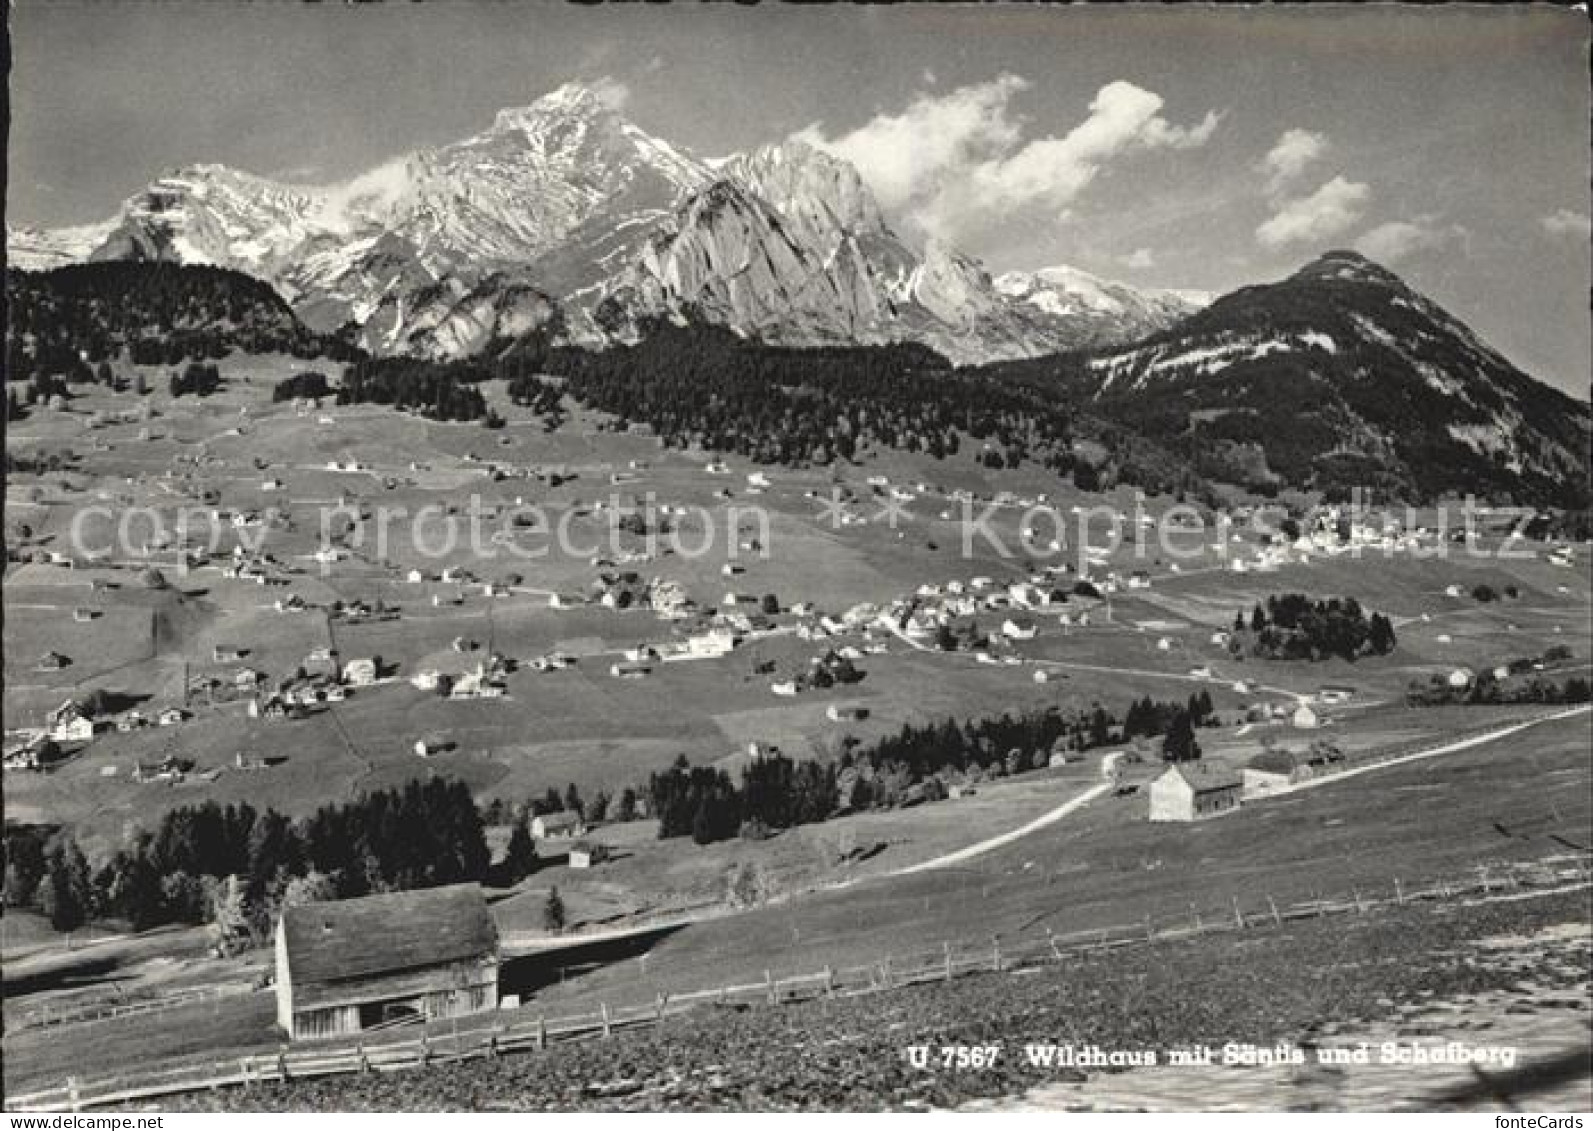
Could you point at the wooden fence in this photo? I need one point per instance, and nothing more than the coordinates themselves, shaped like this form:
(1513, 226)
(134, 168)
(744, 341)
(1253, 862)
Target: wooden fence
(514, 1033)
(68, 1015)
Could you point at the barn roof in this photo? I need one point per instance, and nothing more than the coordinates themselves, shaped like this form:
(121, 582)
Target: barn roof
(377, 934)
(1206, 778)
(562, 819)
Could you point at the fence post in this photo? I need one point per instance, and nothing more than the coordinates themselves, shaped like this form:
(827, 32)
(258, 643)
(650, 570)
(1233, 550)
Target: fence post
(1360, 908)
(829, 981)
(71, 1092)
(885, 972)
(1277, 920)
(425, 1046)
(1150, 932)
(1482, 873)
(542, 1032)
(946, 948)
(663, 1000)
(1194, 913)
(1399, 892)
(1238, 916)
(995, 953)
(365, 1061)
(768, 980)
(248, 1072)
(608, 1029)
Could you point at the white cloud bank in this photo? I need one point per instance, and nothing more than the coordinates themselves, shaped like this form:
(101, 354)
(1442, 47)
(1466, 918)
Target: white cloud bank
(1564, 222)
(1334, 208)
(952, 163)
(1288, 158)
(1398, 240)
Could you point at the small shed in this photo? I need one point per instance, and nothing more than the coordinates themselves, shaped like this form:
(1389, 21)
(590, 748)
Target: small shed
(1191, 791)
(586, 854)
(564, 823)
(347, 966)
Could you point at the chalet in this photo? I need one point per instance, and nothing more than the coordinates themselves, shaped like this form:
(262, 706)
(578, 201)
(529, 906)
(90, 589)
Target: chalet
(839, 713)
(586, 854)
(360, 673)
(430, 680)
(715, 642)
(74, 727)
(346, 966)
(1191, 791)
(1018, 628)
(554, 826)
(168, 768)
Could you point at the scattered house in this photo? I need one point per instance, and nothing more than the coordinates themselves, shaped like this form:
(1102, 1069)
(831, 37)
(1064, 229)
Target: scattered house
(1268, 772)
(1304, 718)
(1461, 677)
(566, 600)
(171, 716)
(415, 577)
(346, 966)
(360, 673)
(1453, 591)
(131, 721)
(1018, 628)
(1333, 694)
(1165, 644)
(641, 654)
(83, 615)
(1201, 672)
(714, 642)
(845, 713)
(1192, 791)
(292, 603)
(556, 826)
(429, 680)
(430, 745)
(53, 662)
(586, 854)
(1042, 675)
(629, 669)
(1139, 579)
(785, 688)
(222, 654)
(74, 727)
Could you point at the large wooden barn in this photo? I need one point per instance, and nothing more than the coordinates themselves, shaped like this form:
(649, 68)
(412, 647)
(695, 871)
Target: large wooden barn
(347, 966)
(1191, 791)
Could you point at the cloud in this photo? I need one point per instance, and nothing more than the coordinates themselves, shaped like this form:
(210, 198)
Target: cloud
(954, 162)
(1331, 209)
(1400, 239)
(1564, 222)
(1287, 159)
(1139, 260)
(611, 92)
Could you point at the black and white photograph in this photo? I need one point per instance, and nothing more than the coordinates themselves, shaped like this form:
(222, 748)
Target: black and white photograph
(699, 557)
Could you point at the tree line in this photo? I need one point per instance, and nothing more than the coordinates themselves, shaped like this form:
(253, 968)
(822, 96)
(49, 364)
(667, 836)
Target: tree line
(1292, 626)
(915, 764)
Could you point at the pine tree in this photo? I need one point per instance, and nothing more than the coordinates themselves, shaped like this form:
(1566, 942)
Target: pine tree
(553, 912)
(520, 859)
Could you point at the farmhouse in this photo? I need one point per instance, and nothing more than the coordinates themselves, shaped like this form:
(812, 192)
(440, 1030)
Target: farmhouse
(1191, 791)
(360, 673)
(346, 966)
(561, 824)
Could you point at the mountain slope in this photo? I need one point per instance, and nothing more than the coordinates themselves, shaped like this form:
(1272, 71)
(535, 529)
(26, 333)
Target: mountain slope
(1342, 376)
(1092, 311)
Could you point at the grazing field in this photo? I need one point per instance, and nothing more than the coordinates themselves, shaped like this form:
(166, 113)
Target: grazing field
(1278, 985)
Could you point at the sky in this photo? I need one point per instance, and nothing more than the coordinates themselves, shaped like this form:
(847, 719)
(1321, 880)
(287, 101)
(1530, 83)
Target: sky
(1186, 147)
